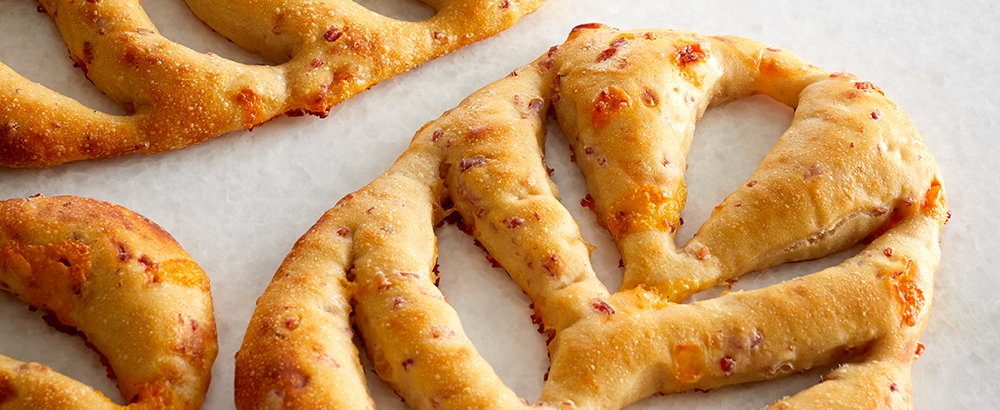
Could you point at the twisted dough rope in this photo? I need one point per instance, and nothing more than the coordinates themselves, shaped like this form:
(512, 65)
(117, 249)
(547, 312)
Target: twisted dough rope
(850, 166)
(328, 51)
(126, 284)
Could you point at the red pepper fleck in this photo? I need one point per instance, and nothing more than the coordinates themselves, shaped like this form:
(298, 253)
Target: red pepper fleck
(606, 54)
(369, 211)
(332, 34)
(690, 53)
(467, 163)
(727, 364)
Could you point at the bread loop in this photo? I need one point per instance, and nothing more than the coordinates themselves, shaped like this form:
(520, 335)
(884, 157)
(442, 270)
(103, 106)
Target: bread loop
(850, 167)
(124, 283)
(328, 52)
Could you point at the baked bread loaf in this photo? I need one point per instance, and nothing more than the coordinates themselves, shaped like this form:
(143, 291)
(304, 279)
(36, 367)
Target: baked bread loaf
(850, 168)
(124, 283)
(326, 52)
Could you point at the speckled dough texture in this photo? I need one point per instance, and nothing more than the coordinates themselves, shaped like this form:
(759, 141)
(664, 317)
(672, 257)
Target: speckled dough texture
(851, 168)
(121, 281)
(326, 52)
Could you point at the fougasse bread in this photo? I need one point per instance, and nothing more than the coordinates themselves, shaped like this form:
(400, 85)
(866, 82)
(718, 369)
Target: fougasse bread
(325, 52)
(121, 281)
(851, 168)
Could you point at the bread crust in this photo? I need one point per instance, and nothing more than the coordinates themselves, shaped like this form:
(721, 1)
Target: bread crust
(850, 168)
(174, 96)
(123, 282)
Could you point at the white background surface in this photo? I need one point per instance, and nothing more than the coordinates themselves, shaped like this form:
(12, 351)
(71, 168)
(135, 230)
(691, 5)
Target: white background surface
(238, 202)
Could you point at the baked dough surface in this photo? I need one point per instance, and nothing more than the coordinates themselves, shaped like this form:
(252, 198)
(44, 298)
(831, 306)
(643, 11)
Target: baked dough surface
(326, 52)
(123, 282)
(850, 168)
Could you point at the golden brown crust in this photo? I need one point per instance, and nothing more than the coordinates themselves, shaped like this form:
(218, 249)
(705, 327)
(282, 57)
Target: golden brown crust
(850, 167)
(328, 52)
(125, 284)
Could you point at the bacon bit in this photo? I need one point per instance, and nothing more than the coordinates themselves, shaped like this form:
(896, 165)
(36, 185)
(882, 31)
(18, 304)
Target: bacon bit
(751, 183)
(894, 387)
(552, 265)
(388, 229)
(603, 307)
(552, 51)
(606, 54)
(382, 282)
(648, 98)
(493, 262)
(650, 36)
(317, 63)
(620, 41)
(814, 171)
(704, 253)
(410, 275)
(609, 102)
(407, 363)
(887, 252)
(688, 98)
(370, 210)
(588, 202)
(867, 86)
(437, 135)
(727, 364)
(332, 34)
(534, 108)
(467, 163)
(437, 35)
(343, 231)
(291, 323)
(397, 302)
(920, 350)
(731, 281)
(88, 53)
(505, 4)
(876, 114)
(757, 339)
(621, 263)
(514, 222)
(546, 63)
(478, 132)
(587, 26)
(439, 331)
(688, 362)
(537, 216)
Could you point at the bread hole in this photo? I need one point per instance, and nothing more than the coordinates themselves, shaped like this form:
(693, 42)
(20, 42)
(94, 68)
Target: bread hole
(405, 10)
(40, 343)
(40, 55)
(177, 23)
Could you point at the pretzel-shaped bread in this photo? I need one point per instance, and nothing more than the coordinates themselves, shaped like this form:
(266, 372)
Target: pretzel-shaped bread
(850, 167)
(328, 51)
(123, 282)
